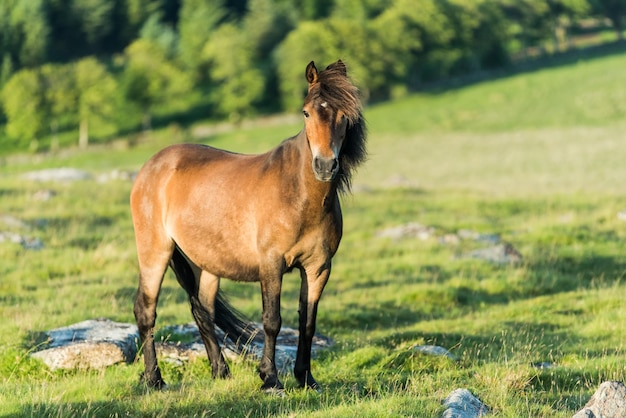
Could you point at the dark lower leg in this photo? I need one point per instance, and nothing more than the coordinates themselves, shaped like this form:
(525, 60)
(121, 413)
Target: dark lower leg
(302, 367)
(271, 326)
(205, 321)
(145, 315)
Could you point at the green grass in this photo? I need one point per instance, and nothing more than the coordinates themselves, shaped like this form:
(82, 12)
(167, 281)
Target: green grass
(537, 158)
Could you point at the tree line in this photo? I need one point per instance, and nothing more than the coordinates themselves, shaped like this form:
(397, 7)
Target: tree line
(100, 67)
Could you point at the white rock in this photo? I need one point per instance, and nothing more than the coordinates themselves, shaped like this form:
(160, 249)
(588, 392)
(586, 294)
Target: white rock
(98, 343)
(92, 344)
(409, 230)
(609, 401)
(64, 174)
(503, 253)
(435, 350)
(461, 403)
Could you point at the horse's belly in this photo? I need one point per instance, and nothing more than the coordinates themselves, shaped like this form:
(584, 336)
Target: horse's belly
(223, 260)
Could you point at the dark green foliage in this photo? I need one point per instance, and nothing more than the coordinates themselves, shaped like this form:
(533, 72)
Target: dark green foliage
(243, 57)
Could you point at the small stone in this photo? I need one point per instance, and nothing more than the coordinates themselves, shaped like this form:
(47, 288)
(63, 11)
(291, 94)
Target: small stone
(450, 239)
(503, 253)
(409, 230)
(12, 222)
(609, 401)
(32, 244)
(621, 215)
(119, 175)
(468, 234)
(435, 350)
(26, 242)
(63, 174)
(44, 195)
(543, 365)
(461, 403)
(6, 236)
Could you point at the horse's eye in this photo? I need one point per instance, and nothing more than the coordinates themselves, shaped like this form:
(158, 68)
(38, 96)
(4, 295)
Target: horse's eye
(305, 113)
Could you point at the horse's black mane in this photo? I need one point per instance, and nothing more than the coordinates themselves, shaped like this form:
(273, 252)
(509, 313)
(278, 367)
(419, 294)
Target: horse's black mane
(336, 89)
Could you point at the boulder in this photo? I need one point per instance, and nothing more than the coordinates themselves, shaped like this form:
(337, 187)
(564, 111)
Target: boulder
(461, 403)
(63, 174)
(91, 344)
(99, 343)
(286, 345)
(503, 253)
(609, 401)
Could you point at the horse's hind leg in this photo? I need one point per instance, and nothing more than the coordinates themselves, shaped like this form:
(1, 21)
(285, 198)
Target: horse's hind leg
(202, 288)
(152, 266)
(203, 310)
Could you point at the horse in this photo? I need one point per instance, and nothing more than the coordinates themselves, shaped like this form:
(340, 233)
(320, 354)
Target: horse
(210, 214)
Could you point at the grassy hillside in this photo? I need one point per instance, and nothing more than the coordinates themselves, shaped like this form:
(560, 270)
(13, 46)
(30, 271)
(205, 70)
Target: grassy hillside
(536, 158)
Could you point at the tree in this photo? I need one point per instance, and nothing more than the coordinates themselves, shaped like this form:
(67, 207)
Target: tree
(615, 11)
(239, 83)
(198, 19)
(412, 42)
(563, 13)
(321, 45)
(138, 11)
(529, 20)
(24, 106)
(156, 31)
(24, 31)
(97, 92)
(6, 69)
(60, 98)
(149, 78)
(95, 20)
(265, 24)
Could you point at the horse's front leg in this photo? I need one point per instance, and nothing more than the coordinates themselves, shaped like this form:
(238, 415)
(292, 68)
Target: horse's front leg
(270, 290)
(313, 282)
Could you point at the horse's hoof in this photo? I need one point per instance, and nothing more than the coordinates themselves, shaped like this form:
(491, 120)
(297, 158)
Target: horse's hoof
(157, 384)
(316, 388)
(273, 388)
(279, 392)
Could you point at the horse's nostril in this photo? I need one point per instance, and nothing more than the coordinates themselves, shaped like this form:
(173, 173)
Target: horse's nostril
(325, 165)
(318, 164)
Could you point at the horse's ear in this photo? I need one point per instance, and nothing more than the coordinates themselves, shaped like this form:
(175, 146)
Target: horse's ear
(311, 73)
(338, 66)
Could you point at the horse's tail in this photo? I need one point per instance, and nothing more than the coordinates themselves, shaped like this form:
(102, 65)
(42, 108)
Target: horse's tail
(235, 325)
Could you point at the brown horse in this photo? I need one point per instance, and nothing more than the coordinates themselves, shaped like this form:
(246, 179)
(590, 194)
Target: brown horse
(209, 213)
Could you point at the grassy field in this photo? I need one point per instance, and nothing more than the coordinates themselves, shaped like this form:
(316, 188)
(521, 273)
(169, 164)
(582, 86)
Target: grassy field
(537, 158)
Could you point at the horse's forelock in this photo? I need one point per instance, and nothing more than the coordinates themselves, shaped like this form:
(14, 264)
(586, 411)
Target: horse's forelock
(334, 88)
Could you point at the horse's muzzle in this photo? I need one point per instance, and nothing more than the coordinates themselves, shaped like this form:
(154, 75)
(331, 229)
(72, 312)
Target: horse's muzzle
(325, 169)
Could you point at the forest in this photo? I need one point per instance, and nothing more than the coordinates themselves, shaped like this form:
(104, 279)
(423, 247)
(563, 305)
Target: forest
(75, 71)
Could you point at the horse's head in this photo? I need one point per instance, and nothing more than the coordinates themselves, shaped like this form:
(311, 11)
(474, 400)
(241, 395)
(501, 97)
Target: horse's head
(325, 119)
